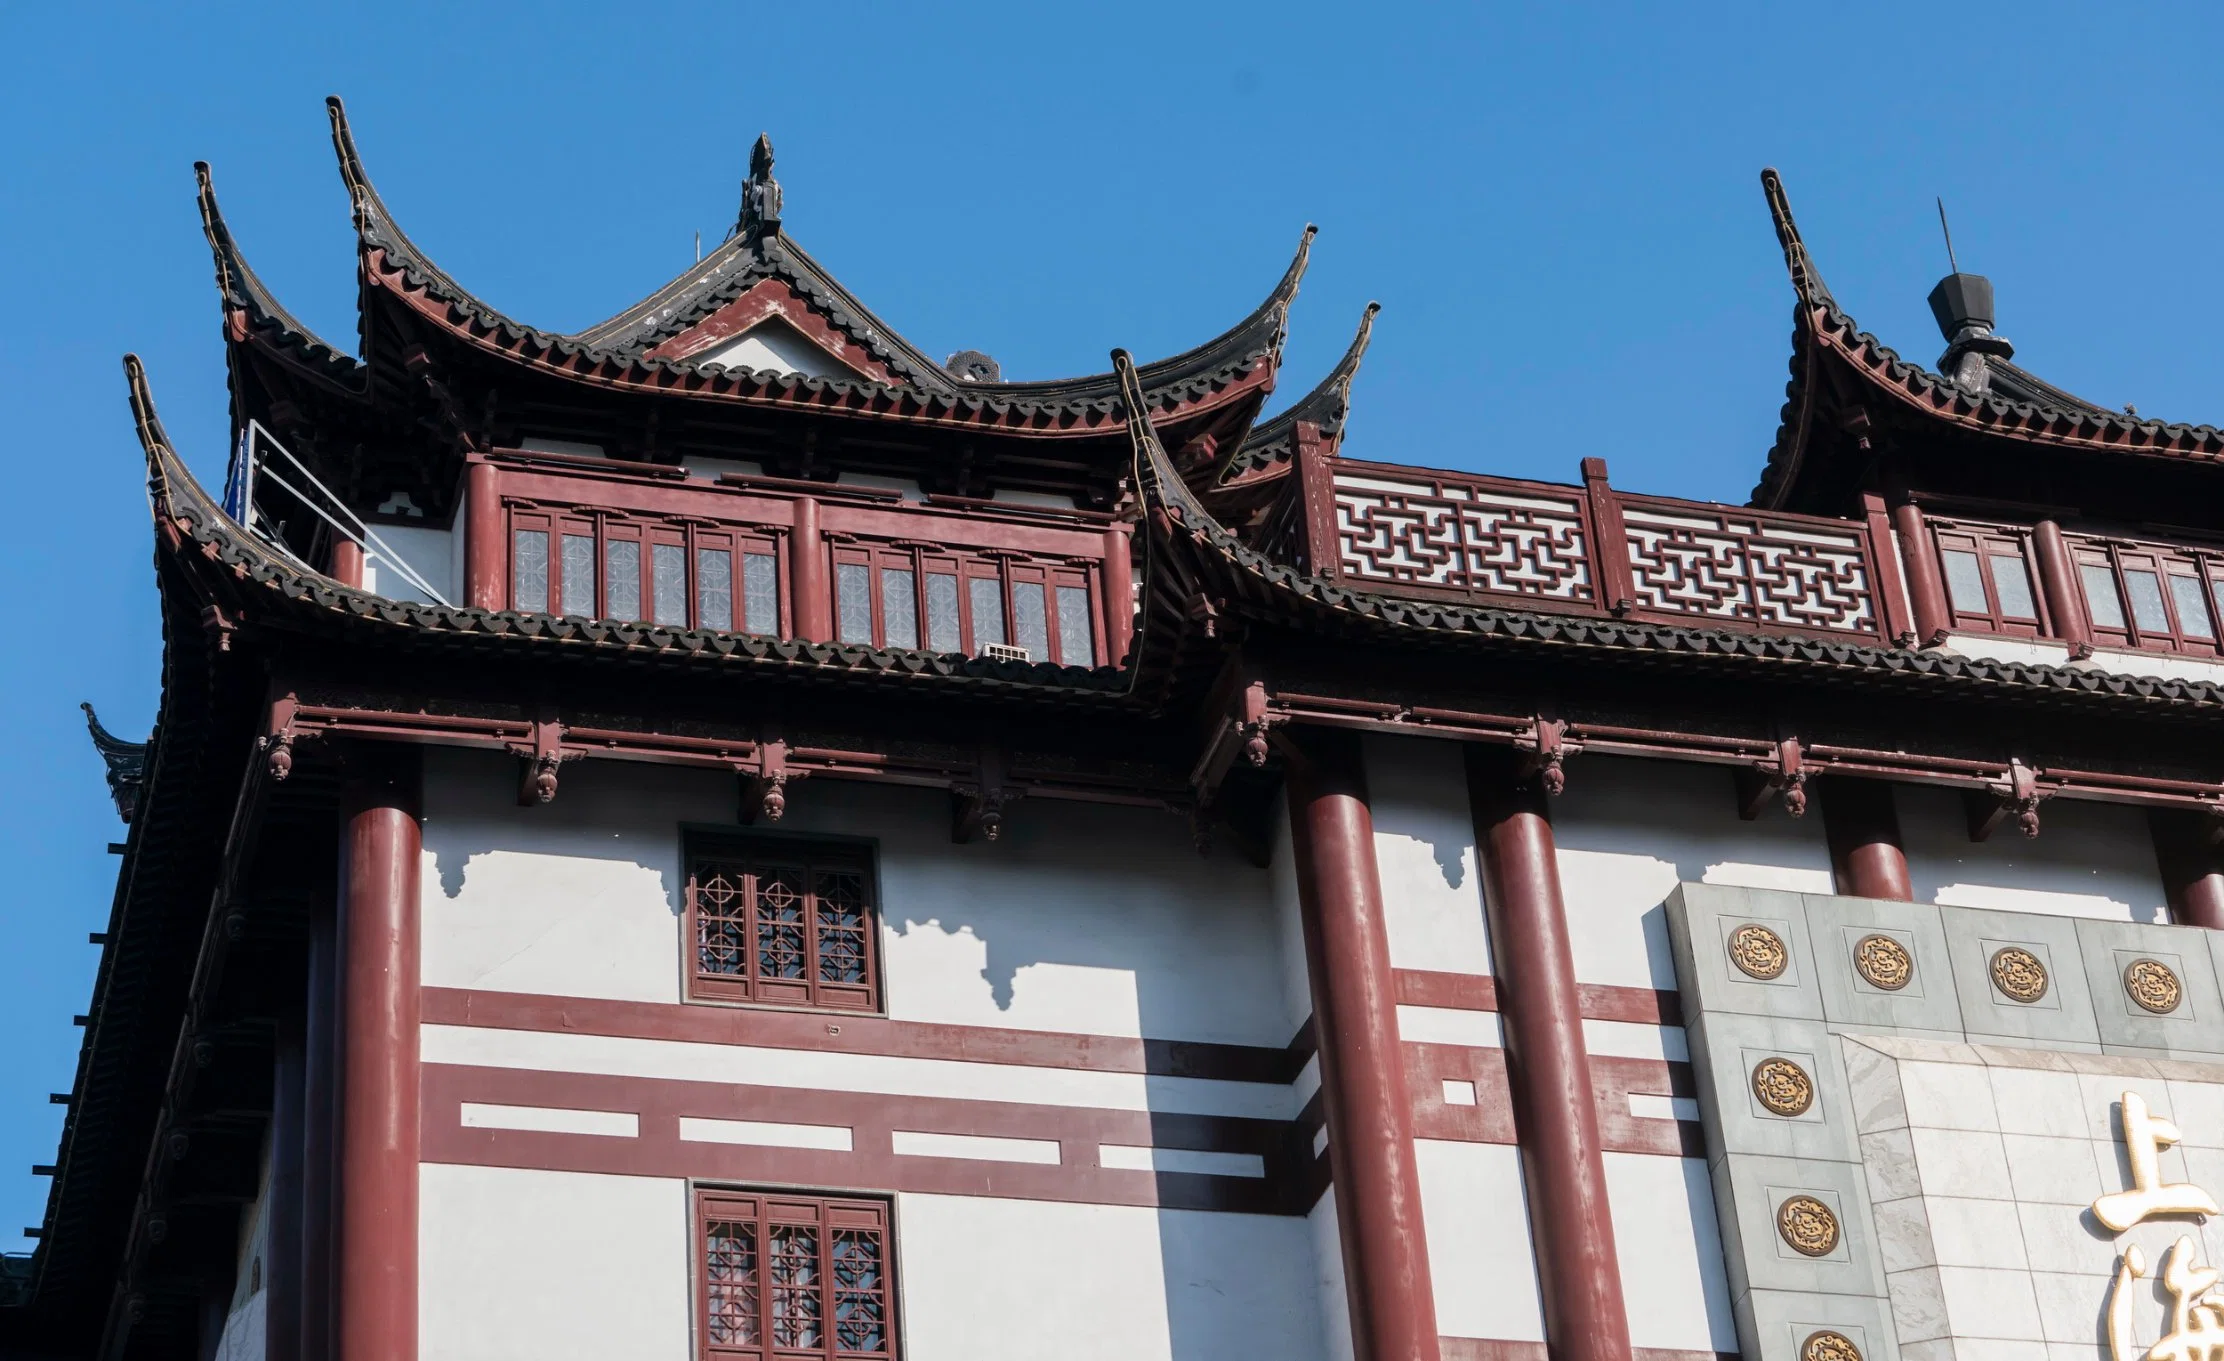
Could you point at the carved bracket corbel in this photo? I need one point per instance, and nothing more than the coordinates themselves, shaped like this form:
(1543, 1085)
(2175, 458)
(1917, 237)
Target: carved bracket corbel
(540, 756)
(280, 732)
(764, 782)
(2018, 796)
(1785, 775)
(219, 626)
(977, 805)
(1544, 746)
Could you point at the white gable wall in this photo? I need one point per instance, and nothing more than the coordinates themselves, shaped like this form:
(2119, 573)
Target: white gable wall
(775, 345)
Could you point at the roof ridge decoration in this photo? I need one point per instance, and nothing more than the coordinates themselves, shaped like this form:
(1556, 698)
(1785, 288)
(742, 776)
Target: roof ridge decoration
(193, 526)
(1820, 325)
(760, 193)
(124, 763)
(251, 308)
(1270, 442)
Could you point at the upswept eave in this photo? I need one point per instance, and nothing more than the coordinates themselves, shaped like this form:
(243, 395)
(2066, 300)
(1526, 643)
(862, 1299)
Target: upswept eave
(1271, 444)
(2035, 412)
(1242, 360)
(253, 315)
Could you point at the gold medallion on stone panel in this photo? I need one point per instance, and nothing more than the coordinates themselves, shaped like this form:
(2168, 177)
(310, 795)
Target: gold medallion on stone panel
(1783, 1086)
(2151, 984)
(1759, 952)
(1828, 1346)
(2018, 974)
(1808, 1225)
(1884, 962)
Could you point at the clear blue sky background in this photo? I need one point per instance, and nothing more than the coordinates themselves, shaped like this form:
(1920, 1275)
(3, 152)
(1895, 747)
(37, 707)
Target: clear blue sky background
(1559, 211)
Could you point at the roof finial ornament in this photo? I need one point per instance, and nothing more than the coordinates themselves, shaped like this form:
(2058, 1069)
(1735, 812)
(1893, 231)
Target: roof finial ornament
(1962, 305)
(760, 193)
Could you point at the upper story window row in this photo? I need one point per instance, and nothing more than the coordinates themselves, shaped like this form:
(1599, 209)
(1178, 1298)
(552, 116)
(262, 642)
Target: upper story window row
(1894, 574)
(823, 563)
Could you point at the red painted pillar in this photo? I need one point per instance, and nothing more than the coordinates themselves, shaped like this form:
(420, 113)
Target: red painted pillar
(1555, 1106)
(1355, 1022)
(2058, 579)
(282, 1278)
(376, 1263)
(1867, 859)
(1119, 595)
(319, 1090)
(1926, 591)
(486, 557)
(813, 602)
(2192, 866)
(347, 562)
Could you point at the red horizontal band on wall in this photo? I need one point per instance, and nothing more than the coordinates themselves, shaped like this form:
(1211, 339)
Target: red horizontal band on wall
(1491, 1121)
(871, 1164)
(1492, 1349)
(1479, 992)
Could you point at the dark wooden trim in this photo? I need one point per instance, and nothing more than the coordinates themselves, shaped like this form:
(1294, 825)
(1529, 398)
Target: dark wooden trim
(1364, 1096)
(1555, 1102)
(849, 1033)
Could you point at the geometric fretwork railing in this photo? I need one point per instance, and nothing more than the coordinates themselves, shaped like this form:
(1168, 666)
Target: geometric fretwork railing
(1592, 550)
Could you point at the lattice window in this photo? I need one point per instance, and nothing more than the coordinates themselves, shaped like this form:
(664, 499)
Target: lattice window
(680, 575)
(911, 595)
(1991, 586)
(794, 1277)
(788, 923)
(1740, 566)
(1463, 537)
(2149, 595)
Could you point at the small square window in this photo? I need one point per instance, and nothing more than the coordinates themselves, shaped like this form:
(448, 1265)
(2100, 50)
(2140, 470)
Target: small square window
(794, 1277)
(784, 922)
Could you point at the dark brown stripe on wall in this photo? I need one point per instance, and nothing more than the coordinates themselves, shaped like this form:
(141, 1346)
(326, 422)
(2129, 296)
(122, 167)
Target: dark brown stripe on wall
(1492, 1349)
(1490, 1120)
(1479, 992)
(771, 1029)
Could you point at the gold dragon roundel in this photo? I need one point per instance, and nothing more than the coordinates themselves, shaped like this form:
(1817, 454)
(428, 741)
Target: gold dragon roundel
(1828, 1346)
(2018, 974)
(2153, 986)
(1883, 962)
(1808, 1225)
(1783, 1086)
(1758, 952)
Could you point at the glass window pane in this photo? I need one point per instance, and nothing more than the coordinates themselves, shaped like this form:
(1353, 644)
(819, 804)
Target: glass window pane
(1076, 646)
(668, 565)
(760, 590)
(2013, 585)
(986, 595)
(2193, 611)
(579, 574)
(942, 613)
(853, 603)
(899, 606)
(2100, 595)
(2145, 590)
(1965, 582)
(621, 560)
(530, 592)
(714, 588)
(1030, 621)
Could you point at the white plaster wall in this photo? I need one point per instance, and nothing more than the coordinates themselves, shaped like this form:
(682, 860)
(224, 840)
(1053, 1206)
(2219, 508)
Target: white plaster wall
(1289, 922)
(543, 1266)
(1480, 1259)
(244, 1336)
(1630, 830)
(775, 345)
(1010, 1280)
(1328, 1280)
(430, 552)
(1081, 918)
(1674, 1284)
(2089, 859)
(1432, 894)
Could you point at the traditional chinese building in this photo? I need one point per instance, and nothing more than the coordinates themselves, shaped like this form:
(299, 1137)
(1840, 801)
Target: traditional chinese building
(720, 836)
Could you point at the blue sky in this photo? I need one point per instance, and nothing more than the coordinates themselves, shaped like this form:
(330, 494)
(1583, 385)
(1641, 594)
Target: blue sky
(1559, 210)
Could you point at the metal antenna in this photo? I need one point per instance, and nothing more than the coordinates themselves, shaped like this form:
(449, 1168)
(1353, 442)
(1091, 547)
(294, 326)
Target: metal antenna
(698, 248)
(1949, 231)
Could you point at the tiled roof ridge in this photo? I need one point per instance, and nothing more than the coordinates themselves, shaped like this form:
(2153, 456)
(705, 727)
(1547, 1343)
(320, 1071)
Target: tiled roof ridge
(203, 530)
(1817, 318)
(1164, 490)
(267, 318)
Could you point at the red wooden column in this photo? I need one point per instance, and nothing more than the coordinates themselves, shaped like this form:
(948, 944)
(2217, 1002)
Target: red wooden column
(1547, 1066)
(347, 562)
(1119, 594)
(812, 600)
(2065, 601)
(282, 1276)
(2192, 866)
(1926, 591)
(319, 1089)
(376, 1266)
(486, 557)
(1867, 859)
(1355, 1023)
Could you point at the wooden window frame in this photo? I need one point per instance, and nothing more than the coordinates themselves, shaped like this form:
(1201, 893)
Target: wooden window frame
(750, 985)
(2118, 558)
(691, 537)
(1008, 569)
(1986, 543)
(824, 1215)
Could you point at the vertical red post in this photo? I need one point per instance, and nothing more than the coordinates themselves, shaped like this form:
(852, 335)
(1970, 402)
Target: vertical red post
(2192, 864)
(1547, 1065)
(377, 1257)
(486, 556)
(347, 562)
(1867, 859)
(320, 1089)
(1119, 594)
(1926, 593)
(1616, 587)
(282, 1278)
(1316, 489)
(2065, 604)
(1355, 1022)
(1889, 588)
(813, 604)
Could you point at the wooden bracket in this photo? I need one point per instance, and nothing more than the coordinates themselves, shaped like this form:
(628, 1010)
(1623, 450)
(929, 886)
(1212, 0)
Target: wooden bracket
(977, 806)
(764, 784)
(276, 743)
(2019, 796)
(1785, 776)
(219, 626)
(1544, 745)
(541, 756)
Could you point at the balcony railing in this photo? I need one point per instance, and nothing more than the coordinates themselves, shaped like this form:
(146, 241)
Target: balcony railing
(813, 561)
